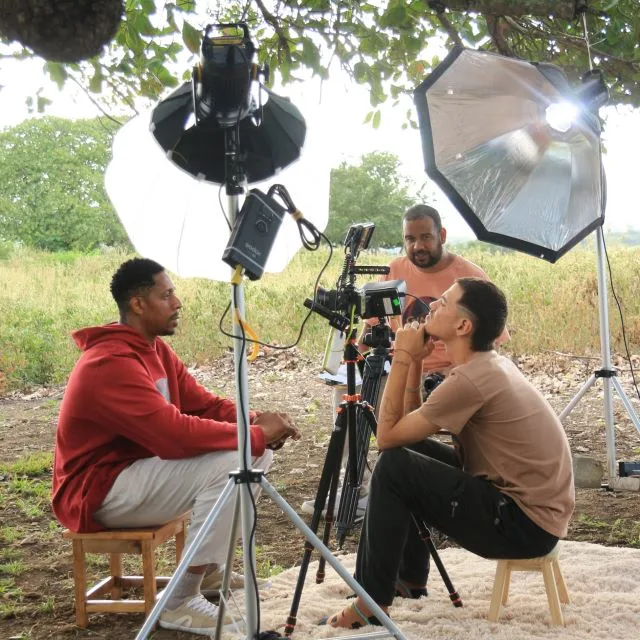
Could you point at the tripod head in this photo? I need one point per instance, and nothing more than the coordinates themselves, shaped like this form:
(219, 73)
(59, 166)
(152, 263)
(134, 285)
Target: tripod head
(380, 335)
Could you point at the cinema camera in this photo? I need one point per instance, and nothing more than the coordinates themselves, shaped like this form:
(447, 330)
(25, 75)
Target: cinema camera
(346, 303)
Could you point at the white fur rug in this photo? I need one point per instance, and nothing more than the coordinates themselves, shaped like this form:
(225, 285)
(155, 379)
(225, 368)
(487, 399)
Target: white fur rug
(603, 584)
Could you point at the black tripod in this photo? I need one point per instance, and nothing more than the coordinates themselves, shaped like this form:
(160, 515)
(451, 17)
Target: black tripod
(328, 485)
(379, 340)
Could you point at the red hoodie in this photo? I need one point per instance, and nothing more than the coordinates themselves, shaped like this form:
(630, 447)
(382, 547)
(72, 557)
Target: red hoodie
(127, 399)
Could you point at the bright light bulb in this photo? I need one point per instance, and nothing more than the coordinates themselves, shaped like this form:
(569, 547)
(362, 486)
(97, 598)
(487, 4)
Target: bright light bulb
(561, 115)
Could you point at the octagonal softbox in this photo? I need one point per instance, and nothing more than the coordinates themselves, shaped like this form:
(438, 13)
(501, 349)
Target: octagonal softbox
(516, 180)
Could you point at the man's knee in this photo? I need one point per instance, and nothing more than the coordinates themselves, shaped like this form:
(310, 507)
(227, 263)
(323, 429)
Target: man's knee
(264, 461)
(391, 462)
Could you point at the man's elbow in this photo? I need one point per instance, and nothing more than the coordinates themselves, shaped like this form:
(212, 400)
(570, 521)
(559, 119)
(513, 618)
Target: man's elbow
(384, 441)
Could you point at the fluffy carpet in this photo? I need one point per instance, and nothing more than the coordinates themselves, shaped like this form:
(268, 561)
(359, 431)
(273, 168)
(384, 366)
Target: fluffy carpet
(603, 584)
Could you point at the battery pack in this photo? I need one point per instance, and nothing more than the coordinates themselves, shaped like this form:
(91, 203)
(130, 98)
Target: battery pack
(254, 233)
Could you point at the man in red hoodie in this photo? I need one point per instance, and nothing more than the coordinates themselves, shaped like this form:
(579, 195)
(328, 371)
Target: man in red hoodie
(139, 441)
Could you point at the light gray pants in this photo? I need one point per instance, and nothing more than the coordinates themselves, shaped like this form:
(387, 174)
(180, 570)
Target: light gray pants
(152, 491)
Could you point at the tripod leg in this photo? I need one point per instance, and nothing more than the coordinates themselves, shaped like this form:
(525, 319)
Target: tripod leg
(365, 425)
(328, 521)
(574, 401)
(328, 481)
(625, 401)
(350, 493)
(224, 588)
(187, 556)
(314, 541)
(425, 534)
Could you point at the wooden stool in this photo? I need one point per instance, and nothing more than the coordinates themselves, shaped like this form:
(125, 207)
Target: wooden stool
(553, 583)
(115, 542)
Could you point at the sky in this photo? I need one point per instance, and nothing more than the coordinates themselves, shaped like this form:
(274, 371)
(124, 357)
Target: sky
(337, 108)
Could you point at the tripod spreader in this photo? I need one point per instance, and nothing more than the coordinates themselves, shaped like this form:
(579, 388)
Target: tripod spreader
(247, 476)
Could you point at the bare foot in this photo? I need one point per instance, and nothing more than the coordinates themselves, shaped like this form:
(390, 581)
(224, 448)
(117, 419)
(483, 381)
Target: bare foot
(354, 616)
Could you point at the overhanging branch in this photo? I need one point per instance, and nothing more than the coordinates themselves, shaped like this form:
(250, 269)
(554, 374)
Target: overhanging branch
(565, 9)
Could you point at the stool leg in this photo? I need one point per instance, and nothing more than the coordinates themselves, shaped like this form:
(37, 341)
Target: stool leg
(115, 563)
(498, 590)
(180, 538)
(552, 594)
(507, 583)
(80, 584)
(149, 575)
(562, 587)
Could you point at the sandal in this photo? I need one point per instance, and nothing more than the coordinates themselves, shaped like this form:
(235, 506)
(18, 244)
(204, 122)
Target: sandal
(405, 591)
(334, 620)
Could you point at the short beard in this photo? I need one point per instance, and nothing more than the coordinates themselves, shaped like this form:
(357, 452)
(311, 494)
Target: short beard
(433, 259)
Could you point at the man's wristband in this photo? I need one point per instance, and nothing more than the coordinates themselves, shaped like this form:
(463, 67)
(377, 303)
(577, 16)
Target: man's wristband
(412, 390)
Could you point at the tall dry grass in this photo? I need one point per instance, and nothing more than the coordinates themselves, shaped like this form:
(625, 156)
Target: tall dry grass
(44, 297)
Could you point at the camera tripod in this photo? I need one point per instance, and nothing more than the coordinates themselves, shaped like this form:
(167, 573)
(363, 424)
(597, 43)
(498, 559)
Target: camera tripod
(379, 340)
(359, 432)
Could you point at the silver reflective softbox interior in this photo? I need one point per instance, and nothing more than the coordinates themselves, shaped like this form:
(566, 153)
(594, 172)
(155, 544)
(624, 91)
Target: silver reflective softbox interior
(488, 144)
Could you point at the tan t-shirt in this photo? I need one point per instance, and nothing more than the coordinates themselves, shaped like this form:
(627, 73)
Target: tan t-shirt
(509, 434)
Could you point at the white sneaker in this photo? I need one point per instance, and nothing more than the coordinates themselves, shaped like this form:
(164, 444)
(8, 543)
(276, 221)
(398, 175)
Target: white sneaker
(197, 616)
(308, 506)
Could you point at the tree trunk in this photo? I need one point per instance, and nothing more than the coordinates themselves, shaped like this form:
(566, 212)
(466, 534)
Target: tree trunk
(565, 9)
(61, 30)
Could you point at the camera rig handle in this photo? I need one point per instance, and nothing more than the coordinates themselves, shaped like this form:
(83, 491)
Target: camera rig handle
(371, 270)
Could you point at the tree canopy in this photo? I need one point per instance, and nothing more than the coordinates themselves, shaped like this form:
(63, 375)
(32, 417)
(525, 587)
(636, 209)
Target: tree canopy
(371, 191)
(52, 192)
(381, 43)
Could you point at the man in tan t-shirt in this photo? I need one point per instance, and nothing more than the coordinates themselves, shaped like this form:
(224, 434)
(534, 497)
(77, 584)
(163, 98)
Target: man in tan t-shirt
(504, 491)
(428, 270)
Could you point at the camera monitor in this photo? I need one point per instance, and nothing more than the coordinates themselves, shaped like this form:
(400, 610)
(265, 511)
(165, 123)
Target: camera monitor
(359, 236)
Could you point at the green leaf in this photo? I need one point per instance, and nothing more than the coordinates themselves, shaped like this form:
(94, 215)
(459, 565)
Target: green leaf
(56, 72)
(361, 72)
(148, 6)
(377, 116)
(43, 103)
(191, 37)
(310, 53)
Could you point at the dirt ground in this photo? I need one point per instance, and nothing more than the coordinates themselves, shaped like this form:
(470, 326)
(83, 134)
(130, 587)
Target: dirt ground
(43, 606)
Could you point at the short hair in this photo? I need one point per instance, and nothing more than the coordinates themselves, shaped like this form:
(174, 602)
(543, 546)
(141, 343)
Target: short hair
(422, 211)
(132, 278)
(488, 306)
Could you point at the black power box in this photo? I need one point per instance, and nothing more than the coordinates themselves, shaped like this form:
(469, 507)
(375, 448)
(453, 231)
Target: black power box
(254, 233)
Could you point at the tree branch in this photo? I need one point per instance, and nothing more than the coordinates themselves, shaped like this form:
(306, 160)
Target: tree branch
(94, 101)
(498, 29)
(273, 21)
(446, 25)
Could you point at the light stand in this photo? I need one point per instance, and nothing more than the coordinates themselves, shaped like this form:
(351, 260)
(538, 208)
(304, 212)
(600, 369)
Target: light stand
(531, 177)
(245, 476)
(609, 378)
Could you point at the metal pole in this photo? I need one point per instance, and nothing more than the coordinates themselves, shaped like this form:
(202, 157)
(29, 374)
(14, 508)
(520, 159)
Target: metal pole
(605, 348)
(244, 447)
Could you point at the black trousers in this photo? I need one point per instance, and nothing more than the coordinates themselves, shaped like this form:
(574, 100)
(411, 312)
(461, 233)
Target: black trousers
(426, 480)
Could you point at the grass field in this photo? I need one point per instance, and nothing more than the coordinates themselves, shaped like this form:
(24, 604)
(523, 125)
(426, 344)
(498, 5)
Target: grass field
(44, 297)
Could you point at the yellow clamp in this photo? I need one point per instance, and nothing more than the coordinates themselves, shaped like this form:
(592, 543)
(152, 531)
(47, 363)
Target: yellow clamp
(236, 276)
(250, 333)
